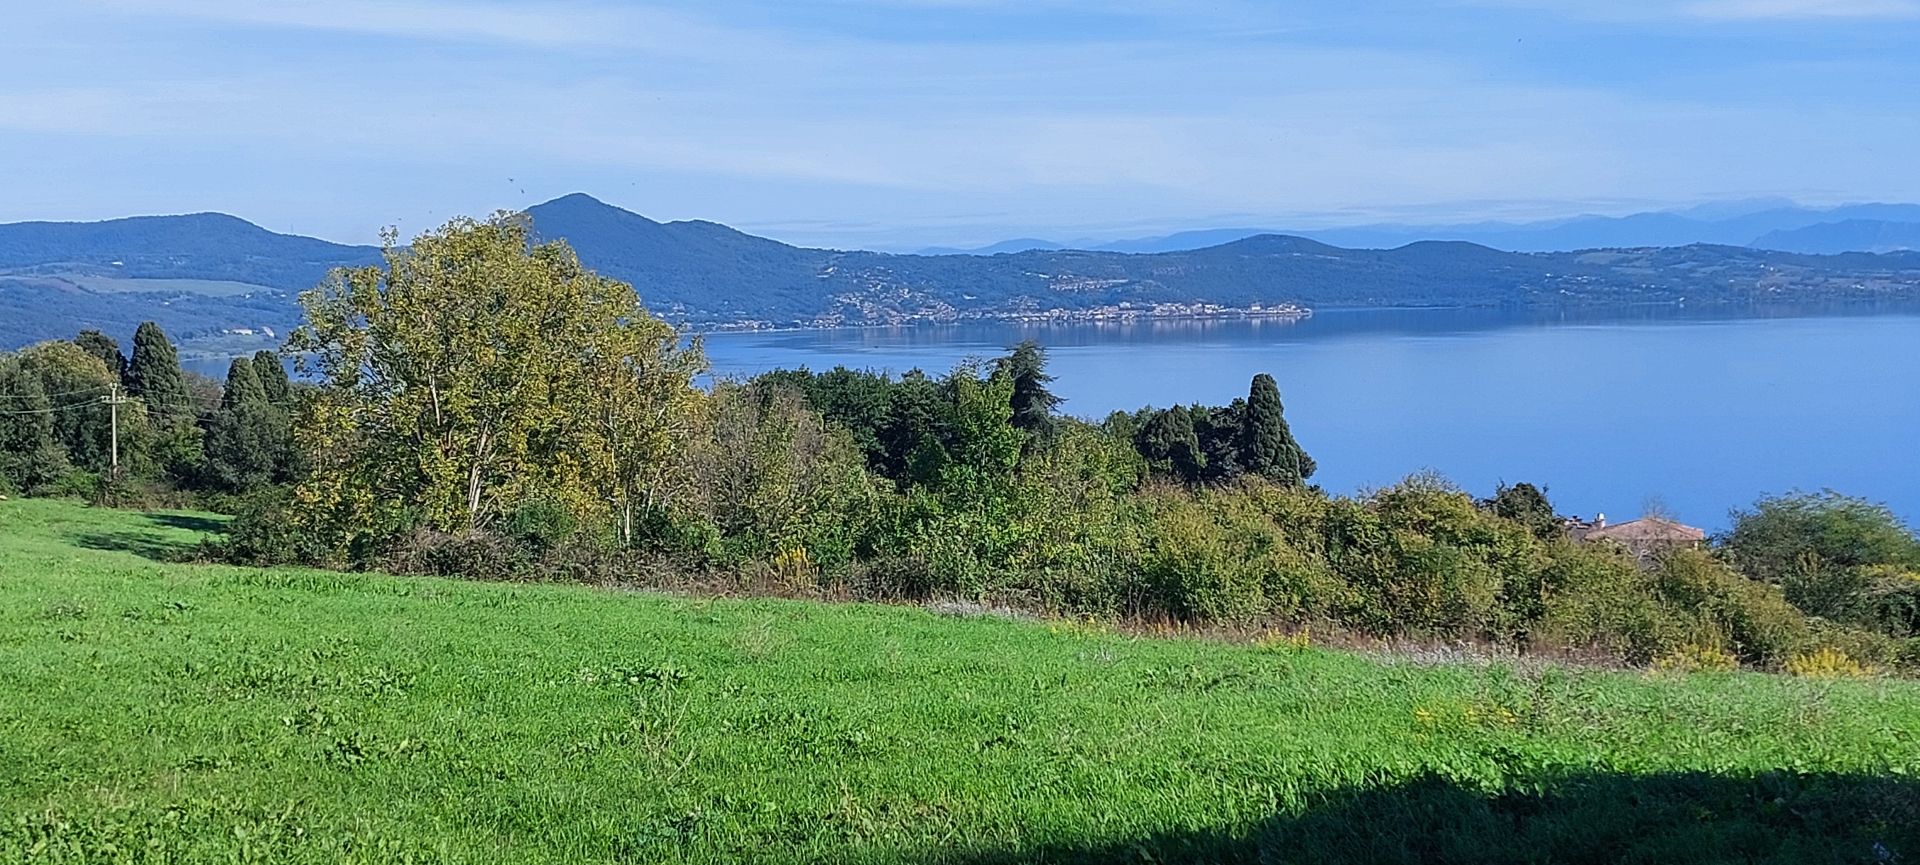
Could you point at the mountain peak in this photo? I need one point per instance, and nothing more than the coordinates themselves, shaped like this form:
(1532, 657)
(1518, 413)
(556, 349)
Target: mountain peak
(576, 199)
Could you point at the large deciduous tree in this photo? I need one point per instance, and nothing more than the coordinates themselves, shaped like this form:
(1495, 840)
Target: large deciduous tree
(29, 456)
(472, 373)
(77, 385)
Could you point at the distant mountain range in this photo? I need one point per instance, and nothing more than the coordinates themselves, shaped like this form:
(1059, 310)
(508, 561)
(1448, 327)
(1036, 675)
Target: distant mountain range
(1850, 235)
(1762, 224)
(222, 284)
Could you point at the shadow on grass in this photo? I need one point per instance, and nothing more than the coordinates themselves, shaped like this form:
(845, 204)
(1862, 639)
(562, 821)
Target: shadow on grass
(161, 540)
(1691, 818)
(190, 522)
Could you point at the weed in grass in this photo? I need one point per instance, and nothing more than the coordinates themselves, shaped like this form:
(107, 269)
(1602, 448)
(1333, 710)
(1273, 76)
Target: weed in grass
(1828, 663)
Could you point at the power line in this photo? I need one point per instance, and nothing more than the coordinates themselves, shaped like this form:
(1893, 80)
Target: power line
(95, 389)
(54, 409)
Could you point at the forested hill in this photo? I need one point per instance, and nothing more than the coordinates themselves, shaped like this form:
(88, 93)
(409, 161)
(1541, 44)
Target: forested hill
(705, 272)
(207, 277)
(199, 246)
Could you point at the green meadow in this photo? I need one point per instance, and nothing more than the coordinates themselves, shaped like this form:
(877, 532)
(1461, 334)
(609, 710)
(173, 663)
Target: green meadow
(160, 712)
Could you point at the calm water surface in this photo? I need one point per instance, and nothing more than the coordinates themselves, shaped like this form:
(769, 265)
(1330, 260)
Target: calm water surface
(1608, 409)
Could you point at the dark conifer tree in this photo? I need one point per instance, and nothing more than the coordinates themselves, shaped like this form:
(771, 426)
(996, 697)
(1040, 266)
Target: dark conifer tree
(1267, 446)
(246, 441)
(242, 385)
(153, 376)
(1170, 445)
(1033, 404)
(272, 374)
(1218, 428)
(106, 348)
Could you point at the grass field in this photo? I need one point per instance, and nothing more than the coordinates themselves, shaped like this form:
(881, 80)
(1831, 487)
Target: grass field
(173, 713)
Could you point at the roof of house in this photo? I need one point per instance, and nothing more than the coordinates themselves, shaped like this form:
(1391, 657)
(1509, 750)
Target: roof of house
(1647, 529)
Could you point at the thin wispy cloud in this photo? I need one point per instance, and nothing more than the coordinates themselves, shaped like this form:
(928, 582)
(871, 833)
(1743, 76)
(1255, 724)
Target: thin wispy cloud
(903, 122)
(1734, 10)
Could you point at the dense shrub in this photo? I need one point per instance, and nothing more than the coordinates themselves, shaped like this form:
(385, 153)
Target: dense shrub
(539, 525)
(1421, 559)
(1889, 602)
(1253, 549)
(777, 481)
(1820, 548)
(263, 532)
(478, 555)
(74, 484)
(1752, 618)
(1599, 597)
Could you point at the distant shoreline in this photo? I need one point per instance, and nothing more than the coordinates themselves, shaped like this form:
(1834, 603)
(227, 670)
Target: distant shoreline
(1751, 309)
(1101, 316)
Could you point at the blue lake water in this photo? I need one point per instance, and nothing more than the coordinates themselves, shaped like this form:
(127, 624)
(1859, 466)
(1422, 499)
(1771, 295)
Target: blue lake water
(1704, 411)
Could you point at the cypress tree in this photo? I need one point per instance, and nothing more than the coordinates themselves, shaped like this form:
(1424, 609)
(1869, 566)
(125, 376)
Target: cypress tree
(154, 376)
(154, 372)
(273, 377)
(1267, 446)
(245, 443)
(242, 386)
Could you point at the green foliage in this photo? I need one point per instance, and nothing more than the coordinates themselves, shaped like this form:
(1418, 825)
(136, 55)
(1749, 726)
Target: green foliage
(272, 374)
(540, 526)
(1527, 505)
(1421, 559)
(1218, 444)
(82, 420)
(474, 372)
(153, 373)
(1597, 597)
(1267, 447)
(264, 532)
(1822, 548)
(776, 479)
(30, 458)
(1246, 552)
(105, 348)
(154, 377)
(1171, 446)
(1890, 601)
(1750, 618)
(1033, 405)
(242, 385)
(249, 440)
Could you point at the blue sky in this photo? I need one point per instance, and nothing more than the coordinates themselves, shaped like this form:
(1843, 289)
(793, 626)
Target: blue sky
(902, 123)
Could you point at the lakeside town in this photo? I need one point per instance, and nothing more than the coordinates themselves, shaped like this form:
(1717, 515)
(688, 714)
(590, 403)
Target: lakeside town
(940, 313)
